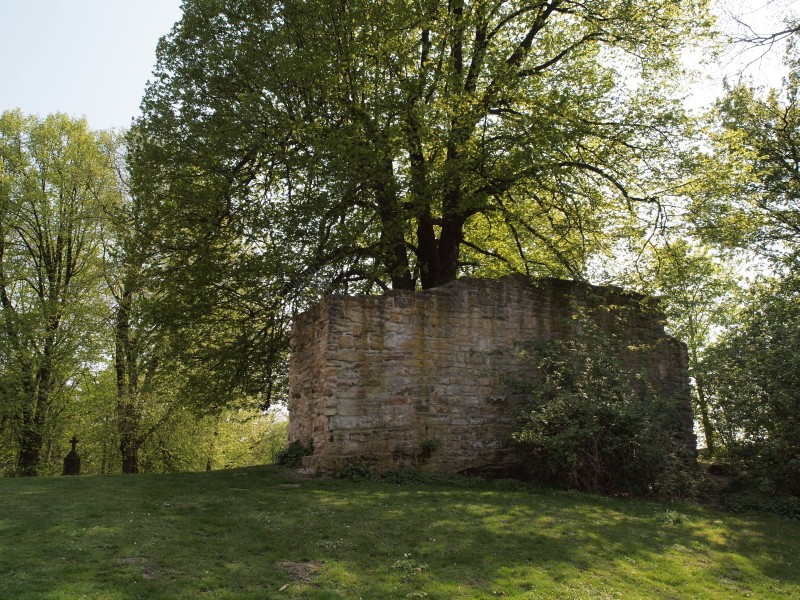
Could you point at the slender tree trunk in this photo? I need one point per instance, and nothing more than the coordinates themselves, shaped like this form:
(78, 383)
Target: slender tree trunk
(31, 438)
(705, 417)
(702, 401)
(130, 456)
(212, 450)
(128, 414)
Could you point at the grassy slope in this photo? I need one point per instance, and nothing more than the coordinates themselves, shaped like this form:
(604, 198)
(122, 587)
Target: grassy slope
(259, 533)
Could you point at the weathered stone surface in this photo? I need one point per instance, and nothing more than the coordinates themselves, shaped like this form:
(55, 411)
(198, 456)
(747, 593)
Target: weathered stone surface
(422, 379)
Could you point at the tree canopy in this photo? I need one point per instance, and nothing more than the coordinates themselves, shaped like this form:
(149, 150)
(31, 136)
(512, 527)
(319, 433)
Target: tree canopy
(754, 378)
(289, 149)
(751, 196)
(372, 142)
(55, 178)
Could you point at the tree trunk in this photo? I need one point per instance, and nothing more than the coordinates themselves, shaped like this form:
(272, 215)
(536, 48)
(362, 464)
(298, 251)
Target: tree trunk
(30, 446)
(128, 415)
(31, 437)
(128, 429)
(212, 450)
(438, 258)
(392, 230)
(702, 402)
(705, 417)
(130, 456)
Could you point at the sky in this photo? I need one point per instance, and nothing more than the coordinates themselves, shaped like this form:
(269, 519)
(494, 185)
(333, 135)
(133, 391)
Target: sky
(87, 58)
(93, 58)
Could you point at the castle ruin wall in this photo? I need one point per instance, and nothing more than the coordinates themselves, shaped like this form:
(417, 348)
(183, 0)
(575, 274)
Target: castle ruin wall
(426, 379)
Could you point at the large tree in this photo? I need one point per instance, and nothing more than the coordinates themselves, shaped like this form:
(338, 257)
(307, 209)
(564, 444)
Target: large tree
(698, 294)
(56, 178)
(298, 147)
(748, 199)
(148, 401)
(754, 372)
(750, 193)
(138, 361)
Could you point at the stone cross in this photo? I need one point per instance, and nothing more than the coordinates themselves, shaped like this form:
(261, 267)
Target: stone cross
(72, 462)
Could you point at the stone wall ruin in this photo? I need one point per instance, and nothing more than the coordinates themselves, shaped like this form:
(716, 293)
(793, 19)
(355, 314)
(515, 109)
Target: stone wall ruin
(423, 379)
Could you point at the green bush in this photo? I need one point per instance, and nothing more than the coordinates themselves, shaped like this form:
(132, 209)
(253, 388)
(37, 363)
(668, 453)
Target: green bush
(292, 455)
(356, 470)
(594, 423)
(753, 373)
(757, 497)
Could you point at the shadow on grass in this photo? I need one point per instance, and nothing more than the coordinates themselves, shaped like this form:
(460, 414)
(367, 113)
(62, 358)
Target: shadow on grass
(259, 533)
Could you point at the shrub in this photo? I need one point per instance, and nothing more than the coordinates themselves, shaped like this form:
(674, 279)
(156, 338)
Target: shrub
(292, 455)
(356, 470)
(754, 382)
(593, 421)
(758, 497)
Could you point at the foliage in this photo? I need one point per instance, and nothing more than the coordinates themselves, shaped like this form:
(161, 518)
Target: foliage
(747, 496)
(750, 197)
(73, 298)
(428, 447)
(749, 200)
(292, 455)
(186, 441)
(357, 470)
(698, 292)
(289, 149)
(91, 418)
(409, 567)
(246, 438)
(259, 533)
(56, 177)
(753, 371)
(178, 439)
(595, 422)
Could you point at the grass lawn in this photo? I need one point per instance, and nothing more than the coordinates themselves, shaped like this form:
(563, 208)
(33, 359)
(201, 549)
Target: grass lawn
(261, 533)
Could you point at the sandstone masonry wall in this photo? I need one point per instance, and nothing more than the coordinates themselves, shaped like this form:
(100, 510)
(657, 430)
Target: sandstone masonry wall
(425, 379)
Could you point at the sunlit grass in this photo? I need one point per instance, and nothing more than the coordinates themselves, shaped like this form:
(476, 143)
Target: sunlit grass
(261, 533)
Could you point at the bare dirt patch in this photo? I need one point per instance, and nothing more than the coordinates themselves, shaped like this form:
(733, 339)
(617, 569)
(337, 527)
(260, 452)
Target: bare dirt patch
(147, 572)
(300, 571)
